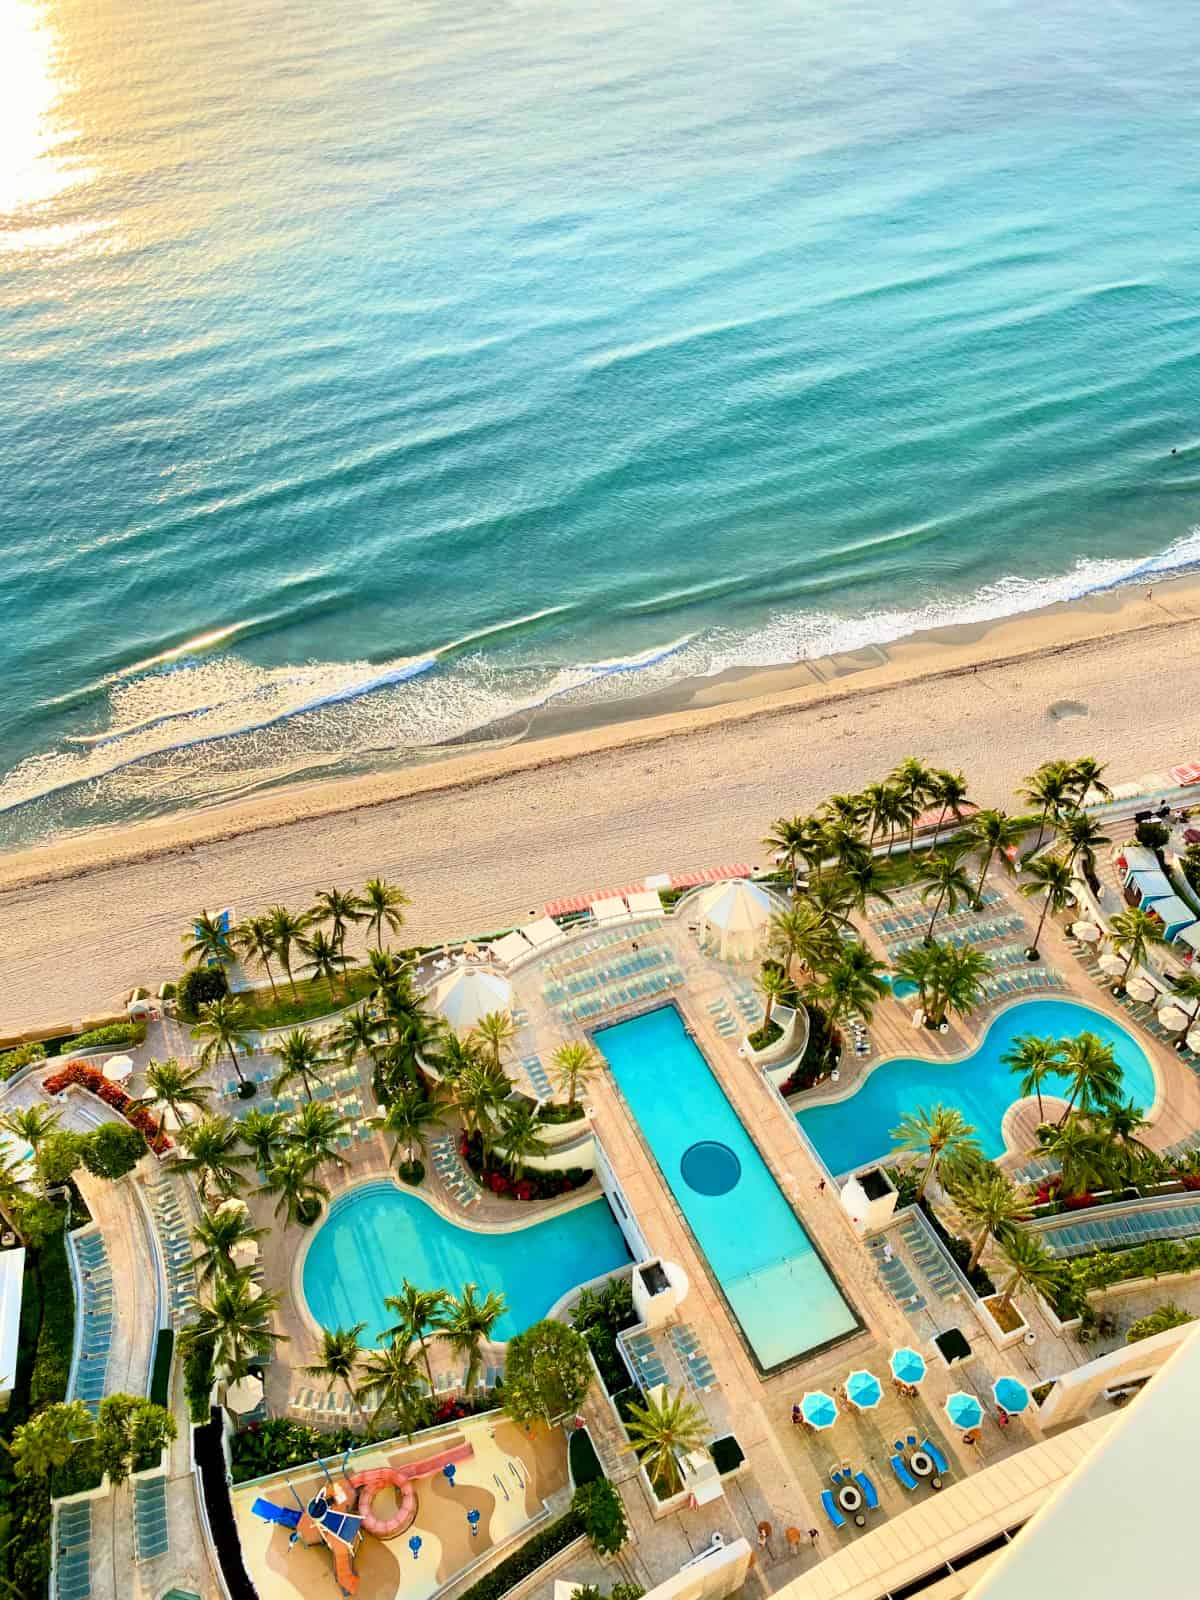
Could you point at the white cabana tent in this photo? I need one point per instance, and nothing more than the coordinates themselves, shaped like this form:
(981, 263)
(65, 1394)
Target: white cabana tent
(463, 996)
(513, 947)
(1173, 914)
(733, 918)
(1138, 859)
(645, 903)
(543, 933)
(244, 1395)
(609, 910)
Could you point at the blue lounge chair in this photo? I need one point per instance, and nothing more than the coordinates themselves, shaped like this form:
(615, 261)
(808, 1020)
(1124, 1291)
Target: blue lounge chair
(935, 1455)
(870, 1493)
(900, 1468)
(831, 1510)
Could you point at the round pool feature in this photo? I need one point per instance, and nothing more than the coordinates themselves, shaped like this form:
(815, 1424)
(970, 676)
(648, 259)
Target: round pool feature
(710, 1168)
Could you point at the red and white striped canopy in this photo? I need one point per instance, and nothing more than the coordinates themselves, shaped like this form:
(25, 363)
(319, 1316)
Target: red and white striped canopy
(1189, 772)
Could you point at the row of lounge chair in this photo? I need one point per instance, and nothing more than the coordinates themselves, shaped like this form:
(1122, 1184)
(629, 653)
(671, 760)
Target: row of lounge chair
(928, 1256)
(962, 934)
(1144, 1015)
(898, 1280)
(917, 920)
(456, 1179)
(73, 1550)
(1027, 982)
(175, 1245)
(95, 1324)
(687, 1347)
(622, 995)
(589, 979)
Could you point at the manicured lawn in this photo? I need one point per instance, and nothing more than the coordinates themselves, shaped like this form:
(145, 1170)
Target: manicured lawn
(315, 997)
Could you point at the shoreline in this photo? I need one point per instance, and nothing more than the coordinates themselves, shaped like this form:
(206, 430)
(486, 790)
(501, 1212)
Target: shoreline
(558, 735)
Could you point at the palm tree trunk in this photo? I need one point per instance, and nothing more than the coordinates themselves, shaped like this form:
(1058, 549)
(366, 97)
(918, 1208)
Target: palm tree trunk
(938, 829)
(1037, 938)
(987, 862)
(425, 1357)
(978, 1250)
(1070, 1108)
(933, 919)
(270, 979)
(1042, 828)
(472, 1368)
(927, 1174)
(233, 1057)
(767, 1018)
(1041, 1112)
(287, 967)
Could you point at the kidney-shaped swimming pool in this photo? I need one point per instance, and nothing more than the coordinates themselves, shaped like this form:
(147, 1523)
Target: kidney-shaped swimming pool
(376, 1235)
(851, 1132)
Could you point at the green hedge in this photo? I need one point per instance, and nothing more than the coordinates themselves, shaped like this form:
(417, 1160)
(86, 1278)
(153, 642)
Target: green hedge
(198, 1382)
(585, 1463)
(116, 1033)
(1107, 1267)
(160, 1377)
(532, 1555)
(56, 1337)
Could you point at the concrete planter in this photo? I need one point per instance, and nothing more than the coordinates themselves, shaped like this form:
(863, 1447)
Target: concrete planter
(782, 1049)
(1002, 1339)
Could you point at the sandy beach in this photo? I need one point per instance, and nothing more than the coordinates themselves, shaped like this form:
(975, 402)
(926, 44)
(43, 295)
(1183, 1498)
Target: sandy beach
(482, 840)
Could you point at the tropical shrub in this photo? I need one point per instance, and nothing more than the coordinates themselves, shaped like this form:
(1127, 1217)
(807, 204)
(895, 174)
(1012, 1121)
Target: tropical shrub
(119, 1034)
(197, 987)
(533, 1554)
(546, 1372)
(599, 1317)
(412, 1172)
(198, 1381)
(56, 1336)
(275, 1445)
(22, 1056)
(59, 1153)
(819, 1052)
(83, 1076)
(1168, 1315)
(603, 1514)
(553, 1112)
(113, 1150)
(765, 1035)
(529, 1184)
(1152, 835)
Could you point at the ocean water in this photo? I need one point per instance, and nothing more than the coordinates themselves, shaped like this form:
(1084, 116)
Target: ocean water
(376, 374)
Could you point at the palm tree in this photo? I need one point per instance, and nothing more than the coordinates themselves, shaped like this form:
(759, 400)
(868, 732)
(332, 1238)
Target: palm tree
(852, 985)
(417, 1309)
(575, 1062)
(316, 1129)
(831, 897)
(383, 902)
(948, 791)
(947, 978)
(338, 1361)
(287, 929)
(171, 1087)
(299, 1057)
(408, 1120)
(264, 1133)
(235, 1323)
(888, 810)
(385, 971)
(1052, 879)
(1082, 833)
(340, 910)
(934, 1133)
(1187, 987)
(1049, 788)
(990, 831)
(217, 1234)
(325, 960)
(1118, 1126)
(988, 1199)
(479, 1092)
(208, 941)
(942, 875)
(865, 881)
(919, 965)
(453, 1055)
(914, 781)
(495, 1033)
(225, 1025)
(213, 1154)
(663, 1430)
(1034, 1060)
(774, 985)
(298, 1193)
(785, 838)
(1084, 1158)
(255, 941)
(1030, 1265)
(357, 1033)
(845, 810)
(521, 1133)
(466, 1324)
(1091, 1070)
(1133, 930)
(846, 847)
(390, 1376)
(31, 1123)
(801, 935)
(1088, 773)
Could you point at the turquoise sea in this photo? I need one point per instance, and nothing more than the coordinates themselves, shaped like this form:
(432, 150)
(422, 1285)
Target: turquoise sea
(377, 373)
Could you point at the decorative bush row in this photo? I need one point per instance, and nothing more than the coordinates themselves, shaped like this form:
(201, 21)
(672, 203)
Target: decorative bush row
(21, 1056)
(532, 1555)
(1108, 1267)
(120, 1034)
(528, 1184)
(92, 1079)
(198, 1382)
(160, 1377)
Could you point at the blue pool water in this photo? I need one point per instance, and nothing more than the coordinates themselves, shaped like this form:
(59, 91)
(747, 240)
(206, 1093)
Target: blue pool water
(857, 1130)
(774, 1281)
(376, 1235)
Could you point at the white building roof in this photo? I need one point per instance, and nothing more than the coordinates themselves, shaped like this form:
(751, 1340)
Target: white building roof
(12, 1279)
(513, 947)
(645, 903)
(469, 994)
(609, 910)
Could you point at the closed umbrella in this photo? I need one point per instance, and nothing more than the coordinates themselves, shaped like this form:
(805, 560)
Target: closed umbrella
(118, 1068)
(864, 1390)
(244, 1395)
(819, 1409)
(908, 1366)
(1010, 1395)
(1173, 1017)
(964, 1410)
(1111, 963)
(1088, 932)
(1140, 989)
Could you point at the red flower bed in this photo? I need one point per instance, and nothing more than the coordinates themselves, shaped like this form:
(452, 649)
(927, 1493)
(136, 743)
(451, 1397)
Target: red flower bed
(93, 1080)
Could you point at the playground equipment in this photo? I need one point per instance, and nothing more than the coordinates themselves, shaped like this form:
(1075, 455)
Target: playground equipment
(340, 1512)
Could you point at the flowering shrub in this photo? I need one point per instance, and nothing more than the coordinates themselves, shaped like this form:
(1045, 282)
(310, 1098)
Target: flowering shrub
(83, 1076)
(529, 1184)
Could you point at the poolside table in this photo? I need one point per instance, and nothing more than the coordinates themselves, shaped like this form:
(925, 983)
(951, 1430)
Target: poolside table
(921, 1464)
(850, 1499)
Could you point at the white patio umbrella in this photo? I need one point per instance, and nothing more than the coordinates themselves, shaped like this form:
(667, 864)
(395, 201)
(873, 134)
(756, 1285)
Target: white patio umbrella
(1112, 963)
(232, 1204)
(1140, 989)
(244, 1253)
(1193, 1040)
(254, 1290)
(118, 1068)
(245, 1394)
(1088, 932)
(1173, 1017)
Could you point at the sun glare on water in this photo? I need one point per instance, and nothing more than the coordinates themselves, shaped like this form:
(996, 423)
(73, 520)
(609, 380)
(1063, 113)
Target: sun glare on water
(33, 166)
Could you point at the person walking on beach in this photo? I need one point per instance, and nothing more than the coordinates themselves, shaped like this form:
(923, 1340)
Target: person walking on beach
(821, 1187)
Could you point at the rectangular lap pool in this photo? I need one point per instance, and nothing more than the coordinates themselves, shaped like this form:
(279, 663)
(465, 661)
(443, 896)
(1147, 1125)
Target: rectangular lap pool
(764, 1263)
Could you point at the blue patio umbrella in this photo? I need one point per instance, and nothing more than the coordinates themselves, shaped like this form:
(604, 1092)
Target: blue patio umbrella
(1011, 1394)
(908, 1366)
(818, 1409)
(964, 1410)
(864, 1390)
